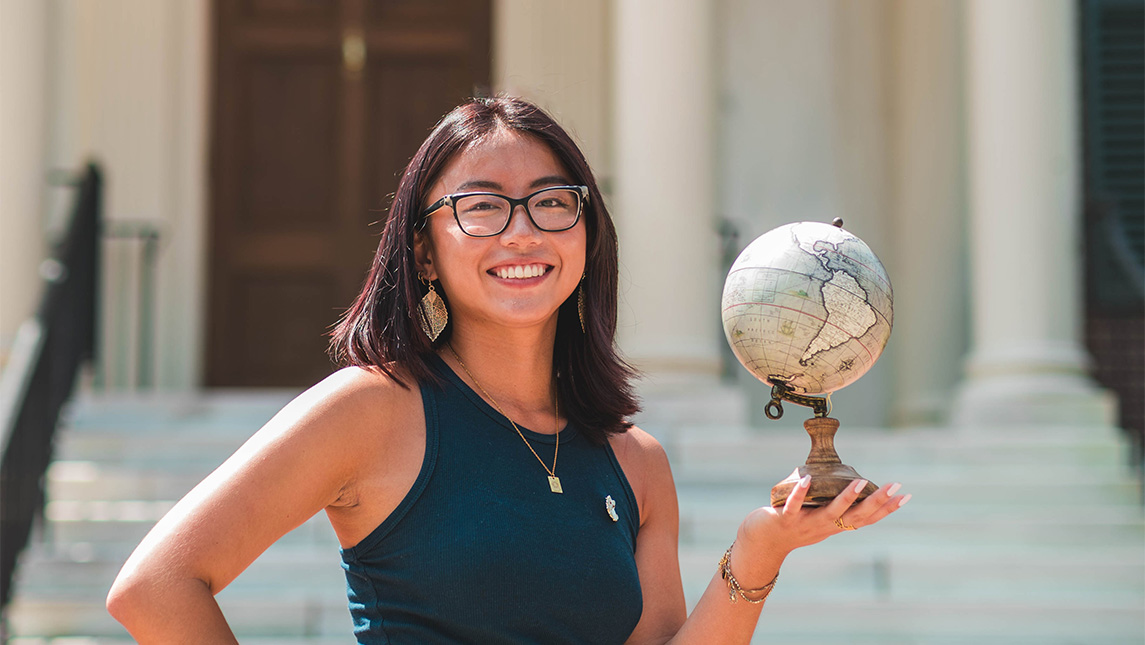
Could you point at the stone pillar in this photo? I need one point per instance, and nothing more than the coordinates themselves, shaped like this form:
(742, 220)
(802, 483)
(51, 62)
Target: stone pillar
(927, 206)
(23, 97)
(664, 197)
(1026, 362)
(564, 70)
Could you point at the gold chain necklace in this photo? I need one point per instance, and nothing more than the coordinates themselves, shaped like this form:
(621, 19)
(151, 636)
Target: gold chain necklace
(554, 481)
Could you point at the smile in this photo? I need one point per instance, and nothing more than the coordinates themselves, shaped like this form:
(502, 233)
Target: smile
(520, 272)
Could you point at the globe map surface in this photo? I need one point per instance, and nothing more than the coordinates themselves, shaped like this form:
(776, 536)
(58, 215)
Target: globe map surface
(807, 305)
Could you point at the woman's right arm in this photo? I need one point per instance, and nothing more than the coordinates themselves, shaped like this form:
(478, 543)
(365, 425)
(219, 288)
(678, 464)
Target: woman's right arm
(301, 461)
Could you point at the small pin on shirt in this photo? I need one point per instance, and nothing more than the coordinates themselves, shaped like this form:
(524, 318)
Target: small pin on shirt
(610, 506)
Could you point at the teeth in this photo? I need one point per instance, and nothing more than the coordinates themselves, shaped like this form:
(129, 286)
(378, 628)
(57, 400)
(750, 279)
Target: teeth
(521, 272)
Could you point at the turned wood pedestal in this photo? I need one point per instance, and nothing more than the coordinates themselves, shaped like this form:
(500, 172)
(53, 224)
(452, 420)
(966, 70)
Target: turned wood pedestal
(829, 475)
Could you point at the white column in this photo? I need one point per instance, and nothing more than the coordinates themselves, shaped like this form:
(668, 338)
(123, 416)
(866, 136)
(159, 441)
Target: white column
(23, 96)
(664, 197)
(1026, 363)
(565, 70)
(927, 206)
(129, 87)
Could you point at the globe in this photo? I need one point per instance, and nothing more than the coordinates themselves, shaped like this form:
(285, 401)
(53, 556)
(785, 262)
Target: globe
(807, 306)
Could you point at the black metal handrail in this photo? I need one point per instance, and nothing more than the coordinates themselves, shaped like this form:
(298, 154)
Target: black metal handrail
(41, 372)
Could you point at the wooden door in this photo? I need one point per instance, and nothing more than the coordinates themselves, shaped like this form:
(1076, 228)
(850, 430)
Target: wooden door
(317, 107)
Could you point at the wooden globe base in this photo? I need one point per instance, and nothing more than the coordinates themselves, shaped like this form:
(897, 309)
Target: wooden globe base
(829, 475)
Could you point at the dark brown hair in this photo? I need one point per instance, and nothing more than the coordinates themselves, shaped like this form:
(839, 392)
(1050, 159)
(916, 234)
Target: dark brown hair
(382, 330)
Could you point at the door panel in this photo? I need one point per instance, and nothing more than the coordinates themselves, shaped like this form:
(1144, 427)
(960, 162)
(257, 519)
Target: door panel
(274, 331)
(430, 85)
(287, 143)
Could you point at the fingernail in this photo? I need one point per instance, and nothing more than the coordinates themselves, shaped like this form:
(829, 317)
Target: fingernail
(805, 482)
(893, 489)
(860, 485)
(904, 500)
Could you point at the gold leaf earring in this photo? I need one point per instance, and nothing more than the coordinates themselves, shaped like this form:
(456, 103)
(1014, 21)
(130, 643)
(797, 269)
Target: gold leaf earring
(580, 304)
(434, 315)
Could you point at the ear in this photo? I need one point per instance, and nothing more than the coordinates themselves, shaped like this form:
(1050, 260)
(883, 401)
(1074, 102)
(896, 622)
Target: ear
(423, 255)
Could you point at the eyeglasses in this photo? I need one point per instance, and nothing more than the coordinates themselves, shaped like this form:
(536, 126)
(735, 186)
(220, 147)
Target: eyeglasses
(552, 209)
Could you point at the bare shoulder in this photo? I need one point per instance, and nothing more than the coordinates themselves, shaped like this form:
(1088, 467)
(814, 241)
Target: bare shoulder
(349, 401)
(337, 425)
(639, 448)
(645, 465)
(351, 389)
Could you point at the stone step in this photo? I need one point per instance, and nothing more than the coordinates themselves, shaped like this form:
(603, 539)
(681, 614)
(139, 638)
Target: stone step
(197, 453)
(282, 565)
(288, 613)
(688, 403)
(788, 620)
(123, 483)
(747, 451)
(891, 575)
(128, 521)
(218, 407)
(1076, 529)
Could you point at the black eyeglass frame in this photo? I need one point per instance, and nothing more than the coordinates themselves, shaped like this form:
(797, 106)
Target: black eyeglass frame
(451, 201)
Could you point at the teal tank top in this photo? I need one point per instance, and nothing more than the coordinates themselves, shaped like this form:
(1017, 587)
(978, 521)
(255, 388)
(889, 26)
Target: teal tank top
(481, 551)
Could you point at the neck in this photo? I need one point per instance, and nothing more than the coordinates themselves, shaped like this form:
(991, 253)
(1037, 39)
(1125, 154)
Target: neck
(514, 367)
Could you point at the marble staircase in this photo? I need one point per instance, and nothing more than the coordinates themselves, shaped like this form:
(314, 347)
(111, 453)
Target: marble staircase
(1015, 535)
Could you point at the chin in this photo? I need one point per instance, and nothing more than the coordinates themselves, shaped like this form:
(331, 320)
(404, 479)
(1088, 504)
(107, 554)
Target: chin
(524, 318)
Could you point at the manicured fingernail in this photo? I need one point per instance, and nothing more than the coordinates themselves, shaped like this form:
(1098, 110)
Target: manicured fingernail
(893, 489)
(860, 485)
(805, 482)
(904, 500)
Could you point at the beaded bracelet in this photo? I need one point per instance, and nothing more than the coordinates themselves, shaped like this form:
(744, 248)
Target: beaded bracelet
(735, 589)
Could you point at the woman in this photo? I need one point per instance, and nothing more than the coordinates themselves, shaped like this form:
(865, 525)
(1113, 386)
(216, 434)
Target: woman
(474, 459)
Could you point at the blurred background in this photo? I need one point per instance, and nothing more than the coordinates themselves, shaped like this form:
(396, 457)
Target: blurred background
(992, 153)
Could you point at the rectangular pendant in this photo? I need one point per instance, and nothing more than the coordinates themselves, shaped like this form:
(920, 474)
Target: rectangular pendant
(555, 484)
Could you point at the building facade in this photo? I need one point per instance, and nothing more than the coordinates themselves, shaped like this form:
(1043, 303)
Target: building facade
(947, 134)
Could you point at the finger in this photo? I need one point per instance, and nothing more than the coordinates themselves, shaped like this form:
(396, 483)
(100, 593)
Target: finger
(795, 498)
(863, 512)
(843, 500)
(890, 506)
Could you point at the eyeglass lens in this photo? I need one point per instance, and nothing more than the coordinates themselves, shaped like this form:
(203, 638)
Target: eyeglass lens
(555, 209)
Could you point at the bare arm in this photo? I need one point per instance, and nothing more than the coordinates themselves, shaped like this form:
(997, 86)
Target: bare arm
(763, 541)
(657, 544)
(296, 465)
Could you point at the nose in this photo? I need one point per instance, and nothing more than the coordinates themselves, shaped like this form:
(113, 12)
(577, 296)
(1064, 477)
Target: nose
(520, 230)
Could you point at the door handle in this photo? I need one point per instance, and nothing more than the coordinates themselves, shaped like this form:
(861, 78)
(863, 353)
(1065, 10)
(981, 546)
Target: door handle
(353, 52)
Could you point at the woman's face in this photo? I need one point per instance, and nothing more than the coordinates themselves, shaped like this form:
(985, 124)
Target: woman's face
(478, 274)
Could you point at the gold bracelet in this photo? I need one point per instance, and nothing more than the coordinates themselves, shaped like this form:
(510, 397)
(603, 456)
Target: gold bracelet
(735, 589)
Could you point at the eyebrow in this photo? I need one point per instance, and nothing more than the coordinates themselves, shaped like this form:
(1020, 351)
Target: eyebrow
(550, 180)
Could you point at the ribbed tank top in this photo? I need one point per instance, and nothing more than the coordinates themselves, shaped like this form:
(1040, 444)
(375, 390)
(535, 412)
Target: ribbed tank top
(481, 551)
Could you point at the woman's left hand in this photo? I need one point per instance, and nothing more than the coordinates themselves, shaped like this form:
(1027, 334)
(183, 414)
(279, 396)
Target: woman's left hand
(779, 531)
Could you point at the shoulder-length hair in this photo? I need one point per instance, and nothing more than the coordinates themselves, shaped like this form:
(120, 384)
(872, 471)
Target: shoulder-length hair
(382, 329)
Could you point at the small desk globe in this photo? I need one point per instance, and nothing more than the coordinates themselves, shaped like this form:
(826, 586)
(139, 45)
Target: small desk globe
(807, 308)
